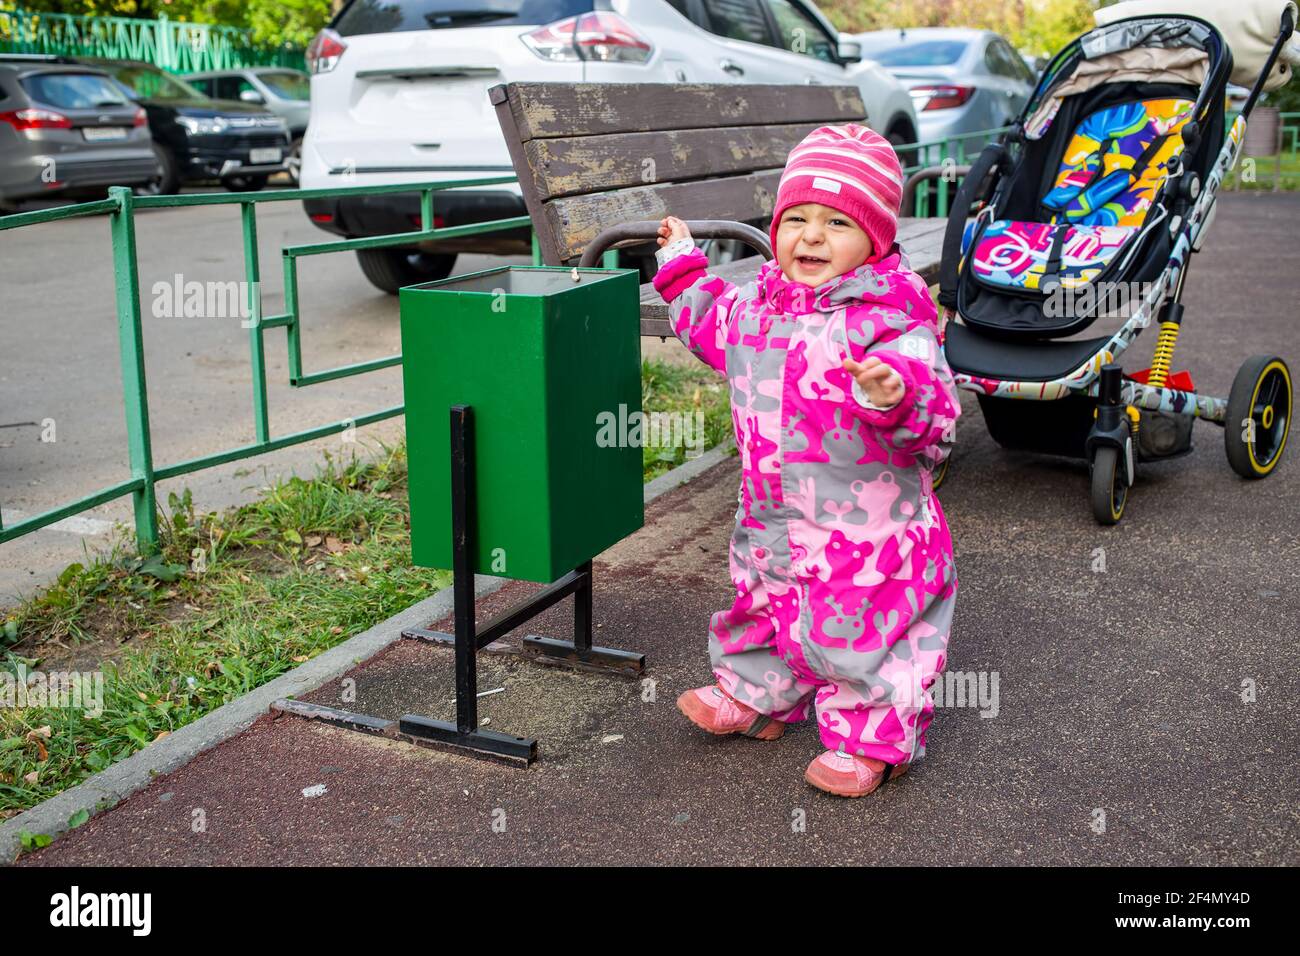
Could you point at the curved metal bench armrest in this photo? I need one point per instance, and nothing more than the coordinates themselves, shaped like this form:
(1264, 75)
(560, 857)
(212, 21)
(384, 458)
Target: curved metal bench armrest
(648, 229)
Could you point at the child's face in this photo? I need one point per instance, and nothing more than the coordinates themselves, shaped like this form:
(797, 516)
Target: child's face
(815, 243)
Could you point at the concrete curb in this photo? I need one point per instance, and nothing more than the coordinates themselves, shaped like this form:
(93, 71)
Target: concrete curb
(109, 787)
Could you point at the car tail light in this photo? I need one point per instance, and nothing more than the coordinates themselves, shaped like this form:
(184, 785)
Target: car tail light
(940, 97)
(140, 117)
(589, 36)
(417, 220)
(324, 51)
(36, 119)
(322, 217)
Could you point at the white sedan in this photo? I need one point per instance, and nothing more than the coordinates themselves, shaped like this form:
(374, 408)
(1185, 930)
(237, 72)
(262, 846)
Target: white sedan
(399, 93)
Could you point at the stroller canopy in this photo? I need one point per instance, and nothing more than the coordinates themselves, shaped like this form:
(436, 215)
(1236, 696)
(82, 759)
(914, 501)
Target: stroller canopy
(1147, 49)
(1249, 28)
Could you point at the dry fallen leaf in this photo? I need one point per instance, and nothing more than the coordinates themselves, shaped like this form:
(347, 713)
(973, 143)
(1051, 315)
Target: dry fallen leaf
(32, 777)
(301, 658)
(334, 545)
(35, 736)
(336, 629)
(312, 540)
(161, 735)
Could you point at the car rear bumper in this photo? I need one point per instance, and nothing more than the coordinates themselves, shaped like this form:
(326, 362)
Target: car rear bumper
(31, 177)
(386, 214)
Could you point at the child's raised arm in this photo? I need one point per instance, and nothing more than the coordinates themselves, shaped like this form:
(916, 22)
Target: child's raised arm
(698, 303)
(908, 368)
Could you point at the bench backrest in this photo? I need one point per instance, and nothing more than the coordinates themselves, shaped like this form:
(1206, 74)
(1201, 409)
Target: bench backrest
(592, 155)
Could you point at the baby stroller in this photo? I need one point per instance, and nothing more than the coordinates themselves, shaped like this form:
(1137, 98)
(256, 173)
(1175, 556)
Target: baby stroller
(1089, 208)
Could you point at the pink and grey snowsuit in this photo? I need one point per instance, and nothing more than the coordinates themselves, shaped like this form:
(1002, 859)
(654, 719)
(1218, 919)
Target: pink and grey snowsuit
(840, 555)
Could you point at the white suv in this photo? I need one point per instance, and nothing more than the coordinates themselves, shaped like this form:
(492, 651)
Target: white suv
(399, 94)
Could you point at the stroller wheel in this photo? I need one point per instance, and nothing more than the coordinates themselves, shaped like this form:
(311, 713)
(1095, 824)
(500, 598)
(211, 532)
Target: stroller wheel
(940, 473)
(1259, 416)
(1109, 492)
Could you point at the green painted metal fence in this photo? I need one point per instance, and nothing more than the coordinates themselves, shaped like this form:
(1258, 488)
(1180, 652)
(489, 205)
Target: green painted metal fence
(121, 207)
(932, 198)
(169, 44)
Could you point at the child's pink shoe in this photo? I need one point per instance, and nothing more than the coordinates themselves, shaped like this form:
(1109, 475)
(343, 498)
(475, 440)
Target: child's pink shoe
(712, 709)
(848, 776)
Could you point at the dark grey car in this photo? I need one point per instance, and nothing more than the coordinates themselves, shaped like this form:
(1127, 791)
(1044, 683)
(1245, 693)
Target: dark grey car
(67, 129)
(285, 92)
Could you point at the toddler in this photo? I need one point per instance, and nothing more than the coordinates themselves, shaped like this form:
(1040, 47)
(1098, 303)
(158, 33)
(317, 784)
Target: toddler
(842, 405)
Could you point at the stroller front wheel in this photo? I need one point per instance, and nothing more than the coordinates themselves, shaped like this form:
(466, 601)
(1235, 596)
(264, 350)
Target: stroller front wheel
(1259, 416)
(1109, 492)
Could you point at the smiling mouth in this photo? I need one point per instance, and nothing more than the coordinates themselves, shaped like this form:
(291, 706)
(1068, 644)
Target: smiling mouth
(810, 262)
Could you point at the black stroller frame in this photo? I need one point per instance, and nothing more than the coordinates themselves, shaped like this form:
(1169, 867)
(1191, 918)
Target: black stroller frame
(1261, 397)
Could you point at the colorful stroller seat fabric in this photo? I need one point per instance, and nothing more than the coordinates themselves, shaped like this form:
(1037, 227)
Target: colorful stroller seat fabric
(1109, 175)
(1116, 162)
(1019, 255)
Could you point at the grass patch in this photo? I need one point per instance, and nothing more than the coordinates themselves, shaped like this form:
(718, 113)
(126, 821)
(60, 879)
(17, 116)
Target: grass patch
(695, 404)
(233, 600)
(1263, 173)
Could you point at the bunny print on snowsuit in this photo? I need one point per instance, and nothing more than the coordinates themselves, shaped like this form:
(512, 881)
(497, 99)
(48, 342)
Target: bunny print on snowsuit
(840, 554)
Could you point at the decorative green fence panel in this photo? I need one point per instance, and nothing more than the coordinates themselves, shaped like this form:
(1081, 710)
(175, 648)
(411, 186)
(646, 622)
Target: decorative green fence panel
(120, 207)
(171, 45)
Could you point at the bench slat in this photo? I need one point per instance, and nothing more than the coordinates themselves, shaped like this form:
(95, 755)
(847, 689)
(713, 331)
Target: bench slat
(588, 164)
(542, 110)
(575, 221)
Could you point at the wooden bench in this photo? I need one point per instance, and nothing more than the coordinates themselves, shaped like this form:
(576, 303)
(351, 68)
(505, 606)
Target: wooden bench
(594, 155)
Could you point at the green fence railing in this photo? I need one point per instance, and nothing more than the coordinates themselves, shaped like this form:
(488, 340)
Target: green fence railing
(933, 197)
(121, 207)
(171, 45)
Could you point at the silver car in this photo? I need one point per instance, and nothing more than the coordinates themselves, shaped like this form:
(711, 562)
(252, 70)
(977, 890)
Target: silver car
(66, 129)
(961, 81)
(285, 92)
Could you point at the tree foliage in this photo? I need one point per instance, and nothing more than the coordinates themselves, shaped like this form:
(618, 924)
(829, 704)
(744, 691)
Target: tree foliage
(1036, 27)
(277, 22)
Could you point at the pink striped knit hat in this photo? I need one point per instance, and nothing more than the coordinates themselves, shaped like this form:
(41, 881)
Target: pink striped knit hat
(850, 168)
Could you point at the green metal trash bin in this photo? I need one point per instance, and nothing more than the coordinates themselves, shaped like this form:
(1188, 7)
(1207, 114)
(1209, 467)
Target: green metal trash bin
(542, 360)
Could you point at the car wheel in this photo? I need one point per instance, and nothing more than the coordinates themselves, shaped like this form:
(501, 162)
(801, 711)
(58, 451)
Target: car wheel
(245, 184)
(899, 136)
(168, 180)
(293, 164)
(390, 269)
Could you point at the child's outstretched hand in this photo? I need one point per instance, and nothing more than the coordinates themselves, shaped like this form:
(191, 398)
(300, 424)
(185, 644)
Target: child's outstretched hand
(883, 385)
(671, 229)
